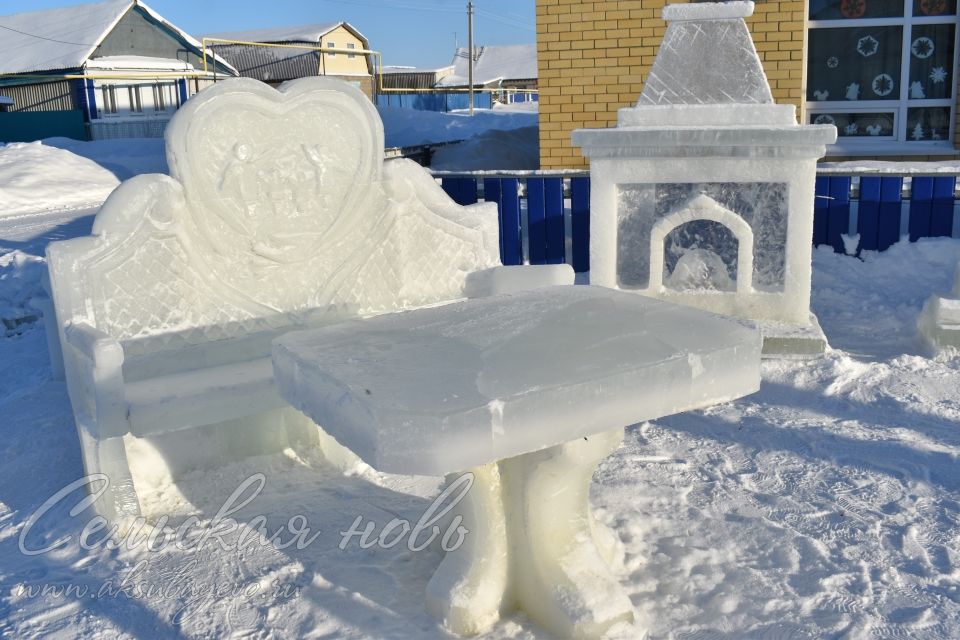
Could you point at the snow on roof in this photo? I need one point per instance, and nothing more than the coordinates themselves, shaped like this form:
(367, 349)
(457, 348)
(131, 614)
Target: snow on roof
(302, 33)
(497, 62)
(404, 69)
(57, 38)
(65, 38)
(138, 62)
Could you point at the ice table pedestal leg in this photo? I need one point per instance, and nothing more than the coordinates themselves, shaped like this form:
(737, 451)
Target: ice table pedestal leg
(534, 545)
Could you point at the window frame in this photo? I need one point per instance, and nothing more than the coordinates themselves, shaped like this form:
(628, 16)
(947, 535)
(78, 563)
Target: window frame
(351, 56)
(331, 45)
(903, 103)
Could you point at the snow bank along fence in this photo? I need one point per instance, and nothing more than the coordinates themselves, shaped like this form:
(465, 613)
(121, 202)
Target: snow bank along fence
(545, 215)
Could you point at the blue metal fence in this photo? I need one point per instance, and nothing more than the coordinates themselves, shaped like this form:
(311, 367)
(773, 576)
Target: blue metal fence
(545, 216)
(434, 101)
(883, 208)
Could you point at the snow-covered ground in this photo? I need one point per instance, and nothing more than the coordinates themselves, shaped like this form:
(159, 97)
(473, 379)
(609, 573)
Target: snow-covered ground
(827, 505)
(490, 150)
(407, 127)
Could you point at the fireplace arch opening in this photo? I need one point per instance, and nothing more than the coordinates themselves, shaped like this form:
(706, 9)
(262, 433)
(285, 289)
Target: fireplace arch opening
(705, 268)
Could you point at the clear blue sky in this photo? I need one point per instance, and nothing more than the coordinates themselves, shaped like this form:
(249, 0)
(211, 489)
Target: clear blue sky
(408, 32)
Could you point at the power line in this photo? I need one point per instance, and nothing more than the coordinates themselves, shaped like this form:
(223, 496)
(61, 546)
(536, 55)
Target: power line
(507, 21)
(402, 4)
(33, 35)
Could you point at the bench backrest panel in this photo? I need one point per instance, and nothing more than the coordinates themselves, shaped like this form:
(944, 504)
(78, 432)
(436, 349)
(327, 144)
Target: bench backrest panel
(279, 210)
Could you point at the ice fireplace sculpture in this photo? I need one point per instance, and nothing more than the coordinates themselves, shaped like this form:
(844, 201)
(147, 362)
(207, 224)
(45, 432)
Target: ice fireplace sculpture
(703, 192)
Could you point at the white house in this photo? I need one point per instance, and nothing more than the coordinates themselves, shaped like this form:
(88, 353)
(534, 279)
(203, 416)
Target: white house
(104, 70)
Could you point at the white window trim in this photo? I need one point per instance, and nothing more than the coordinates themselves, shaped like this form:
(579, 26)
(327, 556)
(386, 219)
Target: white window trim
(331, 45)
(900, 145)
(134, 90)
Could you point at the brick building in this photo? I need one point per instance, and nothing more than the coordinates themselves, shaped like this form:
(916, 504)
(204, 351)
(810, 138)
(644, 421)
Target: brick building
(881, 70)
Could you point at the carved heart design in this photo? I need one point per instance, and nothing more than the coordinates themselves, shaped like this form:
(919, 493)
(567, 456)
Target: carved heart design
(274, 171)
(274, 179)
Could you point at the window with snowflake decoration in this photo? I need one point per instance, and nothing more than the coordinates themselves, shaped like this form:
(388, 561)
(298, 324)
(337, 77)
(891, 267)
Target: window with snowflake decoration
(883, 69)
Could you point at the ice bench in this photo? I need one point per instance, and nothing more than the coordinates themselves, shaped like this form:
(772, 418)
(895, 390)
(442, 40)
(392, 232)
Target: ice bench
(279, 213)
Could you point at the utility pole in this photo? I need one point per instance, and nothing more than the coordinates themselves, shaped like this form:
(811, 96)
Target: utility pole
(470, 51)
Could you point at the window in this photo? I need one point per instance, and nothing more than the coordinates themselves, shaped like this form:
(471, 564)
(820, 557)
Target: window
(109, 99)
(139, 100)
(883, 69)
(331, 45)
(165, 97)
(350, 45)
(133, 93)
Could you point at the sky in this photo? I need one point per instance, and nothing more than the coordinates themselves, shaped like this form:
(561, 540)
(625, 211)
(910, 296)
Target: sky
(421, 33)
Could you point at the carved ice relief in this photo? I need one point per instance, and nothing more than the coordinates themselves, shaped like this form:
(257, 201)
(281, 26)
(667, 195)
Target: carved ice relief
(278, 203)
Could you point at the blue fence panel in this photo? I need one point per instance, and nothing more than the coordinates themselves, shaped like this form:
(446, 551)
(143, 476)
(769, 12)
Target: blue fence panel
(556, 232)
(536, 221)
(506, 193)
(821, 210)
(463, 191)
(839, 212)
(888, 224)
(27, 126)
(831, 211)
(580, 223)
(931, 207)
(878, 216)
(941, 213)
(545, 231)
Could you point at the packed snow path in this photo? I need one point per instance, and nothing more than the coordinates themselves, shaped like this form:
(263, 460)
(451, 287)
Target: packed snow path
(825, 506)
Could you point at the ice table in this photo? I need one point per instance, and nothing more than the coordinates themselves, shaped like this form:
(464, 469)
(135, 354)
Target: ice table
(527, 391)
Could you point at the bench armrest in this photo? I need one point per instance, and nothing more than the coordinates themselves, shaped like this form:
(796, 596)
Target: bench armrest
(488, 282)
(95, 379)
(95, 345)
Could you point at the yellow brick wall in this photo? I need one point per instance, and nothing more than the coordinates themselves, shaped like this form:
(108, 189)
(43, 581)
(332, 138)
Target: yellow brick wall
(592, 58)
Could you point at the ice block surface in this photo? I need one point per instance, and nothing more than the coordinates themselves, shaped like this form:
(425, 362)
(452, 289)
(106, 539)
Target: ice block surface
(700, 32)
(442, 389)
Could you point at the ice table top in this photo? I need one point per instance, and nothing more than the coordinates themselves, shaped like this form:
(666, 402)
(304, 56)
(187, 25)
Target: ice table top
(443, 389)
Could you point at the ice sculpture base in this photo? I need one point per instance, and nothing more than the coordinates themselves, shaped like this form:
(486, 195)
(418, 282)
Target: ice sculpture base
(535, 545)
(784, 340)
(939, 322)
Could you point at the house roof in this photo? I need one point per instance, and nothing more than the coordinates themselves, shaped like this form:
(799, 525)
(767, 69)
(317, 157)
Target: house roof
(302, 33)
(493, 63)
(403, 69)
(65, 38)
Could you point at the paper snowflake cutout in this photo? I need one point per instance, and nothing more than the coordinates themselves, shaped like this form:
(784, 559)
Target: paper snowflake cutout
(882, 84)
(851, 129)
(833, 62)
(867, 46)
(922, 47)
(938, 75)
(824, 118)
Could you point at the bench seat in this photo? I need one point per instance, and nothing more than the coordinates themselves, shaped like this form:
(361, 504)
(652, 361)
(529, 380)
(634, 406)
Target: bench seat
(202, 396)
